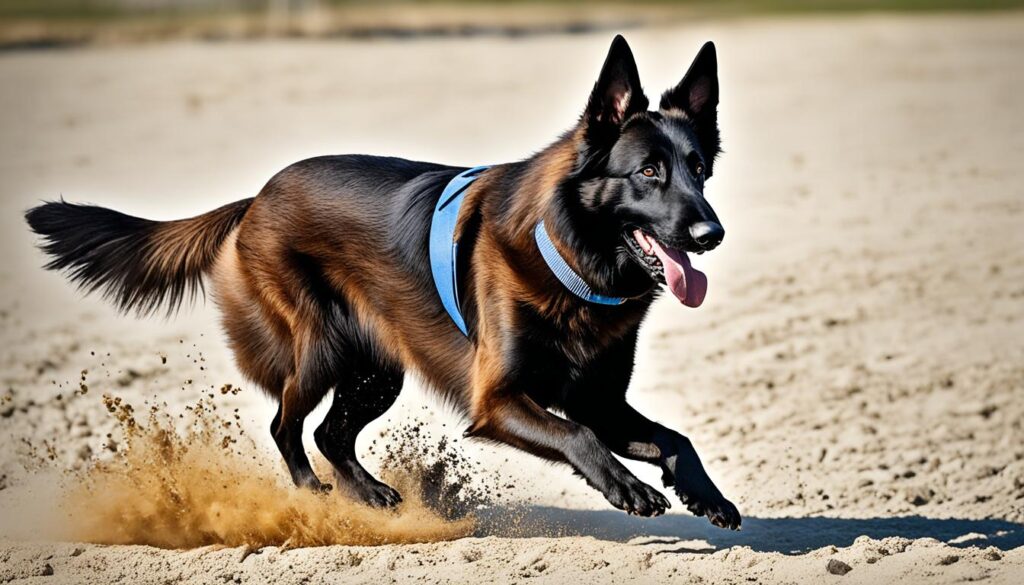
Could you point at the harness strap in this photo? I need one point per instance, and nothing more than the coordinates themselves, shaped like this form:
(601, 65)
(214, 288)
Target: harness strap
(443, 245)
(444, 250)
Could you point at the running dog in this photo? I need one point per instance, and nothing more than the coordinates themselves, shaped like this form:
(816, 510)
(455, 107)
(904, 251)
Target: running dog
(327, 281)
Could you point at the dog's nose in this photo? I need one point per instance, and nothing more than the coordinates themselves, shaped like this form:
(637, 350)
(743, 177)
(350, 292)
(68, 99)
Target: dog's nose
(707, 234)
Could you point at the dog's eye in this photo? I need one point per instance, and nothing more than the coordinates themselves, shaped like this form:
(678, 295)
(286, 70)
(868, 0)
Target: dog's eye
(698, 169)
(649, 171)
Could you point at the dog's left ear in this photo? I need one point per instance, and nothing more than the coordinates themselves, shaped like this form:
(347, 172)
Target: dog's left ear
(697, 93)
(617, 94)
(697, 97)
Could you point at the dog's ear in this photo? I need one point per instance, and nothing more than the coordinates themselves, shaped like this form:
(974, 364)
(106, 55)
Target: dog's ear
(617, 94)
(697, 97)
(697, 93)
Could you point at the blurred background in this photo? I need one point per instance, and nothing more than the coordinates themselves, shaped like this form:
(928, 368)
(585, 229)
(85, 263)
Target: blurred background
(35, 23)
(861, 350)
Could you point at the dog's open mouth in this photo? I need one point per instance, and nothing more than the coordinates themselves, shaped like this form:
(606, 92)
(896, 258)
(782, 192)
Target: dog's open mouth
(670, 266)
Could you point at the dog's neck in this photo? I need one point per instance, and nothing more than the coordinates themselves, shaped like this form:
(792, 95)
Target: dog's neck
(565, 273)
(594, 245)
(542, 188)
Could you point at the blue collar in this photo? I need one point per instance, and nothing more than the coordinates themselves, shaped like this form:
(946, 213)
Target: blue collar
(444, 252)
(564, 273)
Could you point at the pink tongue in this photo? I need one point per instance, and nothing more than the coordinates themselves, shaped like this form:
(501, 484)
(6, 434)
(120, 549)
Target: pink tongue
(686, 282)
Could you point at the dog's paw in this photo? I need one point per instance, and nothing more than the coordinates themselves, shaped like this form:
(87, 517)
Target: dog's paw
(719, 511)
(312, 483)
(635, 497)
(382, 496)
(369, 491)
(681, 469)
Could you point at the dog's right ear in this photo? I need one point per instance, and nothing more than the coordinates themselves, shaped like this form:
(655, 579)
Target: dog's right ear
(617, 94)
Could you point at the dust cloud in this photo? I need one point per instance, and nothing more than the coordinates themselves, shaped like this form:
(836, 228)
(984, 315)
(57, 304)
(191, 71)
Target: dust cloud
(199, 481)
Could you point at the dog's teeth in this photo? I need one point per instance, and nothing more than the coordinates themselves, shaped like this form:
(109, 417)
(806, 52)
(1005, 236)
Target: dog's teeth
(644, 241)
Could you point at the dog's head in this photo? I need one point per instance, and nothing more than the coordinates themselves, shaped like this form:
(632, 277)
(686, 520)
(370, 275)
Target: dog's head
(642, 173)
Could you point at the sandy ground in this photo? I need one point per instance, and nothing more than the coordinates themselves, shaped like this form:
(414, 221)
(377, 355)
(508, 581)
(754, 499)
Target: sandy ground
(854, 381)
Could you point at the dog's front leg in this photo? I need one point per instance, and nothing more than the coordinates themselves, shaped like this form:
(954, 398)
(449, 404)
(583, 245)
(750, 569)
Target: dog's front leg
(598, 400)
(516, 420)
(681, 468)
(630, 434)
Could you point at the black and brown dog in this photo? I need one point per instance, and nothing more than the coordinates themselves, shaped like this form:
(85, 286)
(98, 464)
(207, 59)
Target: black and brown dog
(325, 283)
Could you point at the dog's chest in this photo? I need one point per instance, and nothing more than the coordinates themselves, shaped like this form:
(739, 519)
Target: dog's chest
(581, 334)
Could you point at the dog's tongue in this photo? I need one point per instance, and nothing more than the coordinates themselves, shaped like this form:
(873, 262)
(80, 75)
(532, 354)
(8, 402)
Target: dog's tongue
(686, 282)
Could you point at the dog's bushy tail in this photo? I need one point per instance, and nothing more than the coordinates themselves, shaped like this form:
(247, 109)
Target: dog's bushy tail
(139, 264)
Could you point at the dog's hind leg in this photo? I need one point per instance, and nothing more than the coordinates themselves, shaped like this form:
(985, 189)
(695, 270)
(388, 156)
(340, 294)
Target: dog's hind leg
(297, 401)
(362, 395)
(304, 388)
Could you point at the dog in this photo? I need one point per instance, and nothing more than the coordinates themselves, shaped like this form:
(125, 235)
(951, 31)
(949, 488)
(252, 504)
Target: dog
(325, 284)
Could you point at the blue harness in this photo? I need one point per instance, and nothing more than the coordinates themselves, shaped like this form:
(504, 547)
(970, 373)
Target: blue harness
(444, 252)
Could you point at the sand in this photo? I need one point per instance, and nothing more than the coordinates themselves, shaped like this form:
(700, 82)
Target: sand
(853, 381)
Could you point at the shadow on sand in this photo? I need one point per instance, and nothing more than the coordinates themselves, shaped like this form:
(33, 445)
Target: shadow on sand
(784, 535)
